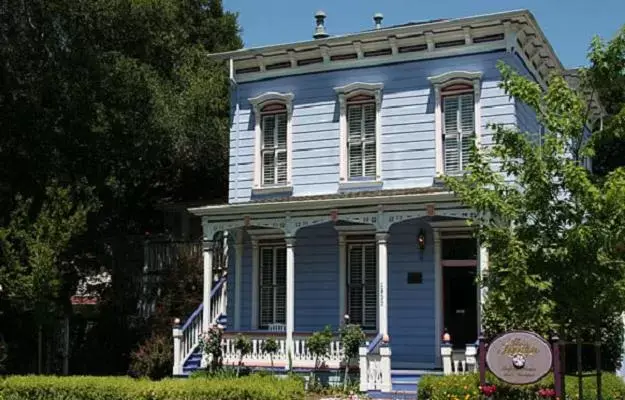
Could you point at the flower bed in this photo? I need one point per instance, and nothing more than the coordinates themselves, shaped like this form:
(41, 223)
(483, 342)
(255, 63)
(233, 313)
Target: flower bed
(122, 388)
(467, 387)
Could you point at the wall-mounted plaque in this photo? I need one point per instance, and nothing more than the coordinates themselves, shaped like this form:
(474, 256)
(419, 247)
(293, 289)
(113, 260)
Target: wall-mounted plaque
(415, 278)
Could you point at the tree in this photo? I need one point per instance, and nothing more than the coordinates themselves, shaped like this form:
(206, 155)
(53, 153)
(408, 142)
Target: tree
(319, 347)
(555, 235)
(352, 337)
(118, 96)
(606, 79)
(270, 346)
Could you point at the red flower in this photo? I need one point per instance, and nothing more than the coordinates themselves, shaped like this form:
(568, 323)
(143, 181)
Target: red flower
(547, 393)
(488, 390)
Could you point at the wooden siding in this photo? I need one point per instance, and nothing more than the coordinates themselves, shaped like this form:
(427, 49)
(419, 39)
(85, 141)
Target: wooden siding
(411, 306)
(408, 156)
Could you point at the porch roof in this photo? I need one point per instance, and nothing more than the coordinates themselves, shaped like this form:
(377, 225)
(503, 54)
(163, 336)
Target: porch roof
(335, 200)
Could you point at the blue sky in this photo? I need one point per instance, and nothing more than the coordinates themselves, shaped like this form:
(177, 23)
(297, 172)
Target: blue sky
(568, 24)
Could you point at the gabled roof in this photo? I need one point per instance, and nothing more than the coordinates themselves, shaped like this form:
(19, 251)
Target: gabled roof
(515, 31)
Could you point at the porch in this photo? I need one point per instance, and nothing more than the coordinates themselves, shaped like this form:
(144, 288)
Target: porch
(377, 259)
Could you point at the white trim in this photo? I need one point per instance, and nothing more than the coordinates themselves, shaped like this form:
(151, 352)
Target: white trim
(381, 241)
(481, 291)
(207, 252)
(238, 276)
(360, 184)
(344, 93)
(308, 205)
(447, 77)
(510, 25)
(439, 83)
(438, 296)
(342, 277)
(290, 294)
(255, 284)
(257, 104)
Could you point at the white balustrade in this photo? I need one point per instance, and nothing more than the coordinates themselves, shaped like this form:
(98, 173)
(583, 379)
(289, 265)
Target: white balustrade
(375, 368)
(459, 362)
(302, 357)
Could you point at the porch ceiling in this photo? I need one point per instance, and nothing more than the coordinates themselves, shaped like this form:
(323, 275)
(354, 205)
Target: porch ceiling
(328, 201)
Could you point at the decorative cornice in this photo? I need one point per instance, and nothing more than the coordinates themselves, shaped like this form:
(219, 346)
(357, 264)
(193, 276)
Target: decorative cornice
(286, 98)
(514, 31)
(453, 75)
(358, 86)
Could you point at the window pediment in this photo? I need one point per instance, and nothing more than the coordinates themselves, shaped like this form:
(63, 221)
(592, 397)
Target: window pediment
(455, 77)
(271, 97)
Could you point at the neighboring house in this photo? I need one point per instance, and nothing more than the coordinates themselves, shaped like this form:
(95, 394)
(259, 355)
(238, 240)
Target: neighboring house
(334, 204)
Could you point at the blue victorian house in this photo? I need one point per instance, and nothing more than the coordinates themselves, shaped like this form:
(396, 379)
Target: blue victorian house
(335, 203)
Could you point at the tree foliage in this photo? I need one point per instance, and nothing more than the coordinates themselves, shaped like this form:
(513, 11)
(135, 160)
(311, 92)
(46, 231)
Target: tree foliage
(555, 235)
(116, 96)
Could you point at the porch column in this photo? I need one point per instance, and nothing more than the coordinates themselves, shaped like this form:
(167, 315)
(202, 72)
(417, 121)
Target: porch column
(290, 294)
(342, 278)
(238, 273)
(438, 296)
(482, 260)
(381, 238)
(207, 250)
(255, 281)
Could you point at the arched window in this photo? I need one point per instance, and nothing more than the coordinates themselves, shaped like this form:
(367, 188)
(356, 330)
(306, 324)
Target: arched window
(272, 166)
(360, 132)
(457, 119)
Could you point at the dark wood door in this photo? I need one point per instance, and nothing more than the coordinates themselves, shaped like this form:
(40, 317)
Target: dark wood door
(460, 304)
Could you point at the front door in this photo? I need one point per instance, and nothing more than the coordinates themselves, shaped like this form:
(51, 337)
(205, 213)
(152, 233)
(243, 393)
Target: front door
(460, 304)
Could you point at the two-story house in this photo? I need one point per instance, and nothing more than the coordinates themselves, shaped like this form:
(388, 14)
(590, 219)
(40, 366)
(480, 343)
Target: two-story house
(335, 206)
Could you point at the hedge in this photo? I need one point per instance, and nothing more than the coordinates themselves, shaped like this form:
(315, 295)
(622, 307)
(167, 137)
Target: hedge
(122, 388)
(465, 387)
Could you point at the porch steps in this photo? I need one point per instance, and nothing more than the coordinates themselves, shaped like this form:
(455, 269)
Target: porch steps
(192, 363)
(404, 384)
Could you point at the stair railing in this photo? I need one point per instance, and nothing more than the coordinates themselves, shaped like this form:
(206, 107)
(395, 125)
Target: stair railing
(375, 365)
(187, 336)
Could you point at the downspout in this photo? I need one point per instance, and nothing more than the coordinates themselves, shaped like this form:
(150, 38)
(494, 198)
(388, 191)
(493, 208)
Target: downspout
(233, 82)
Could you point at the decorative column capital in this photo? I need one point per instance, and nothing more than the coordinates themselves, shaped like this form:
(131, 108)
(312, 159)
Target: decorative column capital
(381, 237)
(207, 245)
(290, 241)
(437, 235)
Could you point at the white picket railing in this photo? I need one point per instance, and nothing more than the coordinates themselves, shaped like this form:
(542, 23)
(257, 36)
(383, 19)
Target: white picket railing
(302, 358)
(187, 336)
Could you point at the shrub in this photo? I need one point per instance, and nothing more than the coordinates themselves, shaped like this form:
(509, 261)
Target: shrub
(154, 358)
(466, 387)
(122, 388)
(244, 346)
(270, 346)
(352, 337)
(319, 346)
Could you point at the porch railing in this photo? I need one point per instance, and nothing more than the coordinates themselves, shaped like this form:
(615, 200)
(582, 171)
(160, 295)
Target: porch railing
(187, 336)
(375, 366)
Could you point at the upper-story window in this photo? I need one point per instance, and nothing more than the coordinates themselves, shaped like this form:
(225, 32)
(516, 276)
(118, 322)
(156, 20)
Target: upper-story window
(457, 117)
(272, 144)
(360, 130)
(273, 147)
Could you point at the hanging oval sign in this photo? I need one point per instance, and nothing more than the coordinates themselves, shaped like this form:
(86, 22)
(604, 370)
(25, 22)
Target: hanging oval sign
(519, 357)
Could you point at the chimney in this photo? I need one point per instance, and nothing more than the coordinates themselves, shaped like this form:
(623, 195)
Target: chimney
(320, 30)
(378, 17)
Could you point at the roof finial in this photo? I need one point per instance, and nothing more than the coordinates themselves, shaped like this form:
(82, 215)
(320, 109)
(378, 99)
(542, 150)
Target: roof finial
(320, 30)
(378, 17)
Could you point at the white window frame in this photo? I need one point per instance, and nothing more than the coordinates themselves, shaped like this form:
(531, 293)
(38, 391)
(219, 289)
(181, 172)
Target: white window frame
(275, 247)
(258, 103)
(440, 82)
(349, 243)
(344, 93)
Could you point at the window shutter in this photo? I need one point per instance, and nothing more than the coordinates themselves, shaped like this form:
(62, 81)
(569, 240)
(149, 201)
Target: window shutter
(268, 167)
(355, 299)
(467, 122)
(266, 286)
(354, 122)
(369, 160)
(281, 130)
(281, 167)
(370, 286)
(369, 121)
(269, 123)
(280, 286)
(355, 159)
